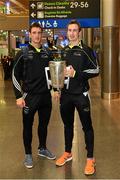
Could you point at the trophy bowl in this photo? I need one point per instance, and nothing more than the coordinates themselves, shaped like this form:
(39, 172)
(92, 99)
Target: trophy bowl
(57, 74)
(56, 70)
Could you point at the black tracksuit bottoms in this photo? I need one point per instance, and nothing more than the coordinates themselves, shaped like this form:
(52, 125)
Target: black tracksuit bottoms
(42, 104)
(68, 103)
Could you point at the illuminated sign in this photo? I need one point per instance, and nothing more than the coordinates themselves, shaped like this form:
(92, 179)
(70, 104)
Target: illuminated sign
(57, 14)
(2, 9)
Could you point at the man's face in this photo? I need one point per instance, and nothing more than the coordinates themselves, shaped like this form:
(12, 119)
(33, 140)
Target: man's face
(73, 32)
(36, 35)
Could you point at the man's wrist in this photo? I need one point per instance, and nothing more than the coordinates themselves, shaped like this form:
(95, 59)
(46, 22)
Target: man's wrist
(19, 98)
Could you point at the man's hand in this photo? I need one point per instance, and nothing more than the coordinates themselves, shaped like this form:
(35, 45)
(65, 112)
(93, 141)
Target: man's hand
(20, 102)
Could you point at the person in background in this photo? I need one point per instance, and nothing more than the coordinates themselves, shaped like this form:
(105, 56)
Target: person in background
(51, 43)
(32, 93)
(81, 66)
(6, 67)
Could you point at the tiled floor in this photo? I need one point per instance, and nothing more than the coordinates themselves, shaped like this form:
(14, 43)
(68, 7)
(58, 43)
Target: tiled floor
(106, 121)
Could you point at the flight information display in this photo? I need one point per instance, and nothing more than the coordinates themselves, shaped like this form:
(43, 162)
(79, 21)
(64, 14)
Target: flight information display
(58, 13)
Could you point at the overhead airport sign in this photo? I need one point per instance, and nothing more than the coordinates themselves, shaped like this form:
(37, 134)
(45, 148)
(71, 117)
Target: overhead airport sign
(58, 13)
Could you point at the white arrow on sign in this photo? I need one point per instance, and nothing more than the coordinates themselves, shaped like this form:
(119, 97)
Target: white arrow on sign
(32, 5)
(33, 14)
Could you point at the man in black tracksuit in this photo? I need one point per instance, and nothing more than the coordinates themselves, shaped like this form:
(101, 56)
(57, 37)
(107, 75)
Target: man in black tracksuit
(81, 66)
(32, 93)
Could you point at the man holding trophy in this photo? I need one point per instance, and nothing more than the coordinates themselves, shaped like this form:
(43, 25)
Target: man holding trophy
(81, 66)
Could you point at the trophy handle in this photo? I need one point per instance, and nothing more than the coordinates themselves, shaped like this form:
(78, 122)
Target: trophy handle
(66, 81)
(46, 74)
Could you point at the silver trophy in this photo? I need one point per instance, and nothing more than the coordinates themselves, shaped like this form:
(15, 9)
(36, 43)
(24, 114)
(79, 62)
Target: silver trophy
(57, 77)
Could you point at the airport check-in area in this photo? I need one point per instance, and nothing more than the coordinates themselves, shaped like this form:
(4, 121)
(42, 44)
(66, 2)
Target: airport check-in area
(15, 18)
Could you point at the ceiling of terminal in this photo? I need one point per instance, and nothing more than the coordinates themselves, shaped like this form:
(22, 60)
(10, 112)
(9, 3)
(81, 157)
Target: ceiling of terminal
(16, 6)
(20, 7)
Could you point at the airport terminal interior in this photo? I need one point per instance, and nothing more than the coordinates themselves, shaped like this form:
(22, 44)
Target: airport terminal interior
(105, 117)
(106, 121)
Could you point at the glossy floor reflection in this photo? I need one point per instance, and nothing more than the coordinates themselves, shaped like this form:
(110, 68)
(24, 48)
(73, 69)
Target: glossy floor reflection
(106, 121)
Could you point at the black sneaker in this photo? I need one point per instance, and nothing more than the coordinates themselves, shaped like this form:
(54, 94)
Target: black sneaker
(46, 153)
(28, 161)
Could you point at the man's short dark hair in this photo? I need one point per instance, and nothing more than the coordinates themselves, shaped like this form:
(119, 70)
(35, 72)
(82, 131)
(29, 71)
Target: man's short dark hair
(74, 22)
(35, 24)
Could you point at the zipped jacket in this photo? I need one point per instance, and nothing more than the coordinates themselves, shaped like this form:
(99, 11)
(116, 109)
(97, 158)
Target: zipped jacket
(84, 61)
(28, 75)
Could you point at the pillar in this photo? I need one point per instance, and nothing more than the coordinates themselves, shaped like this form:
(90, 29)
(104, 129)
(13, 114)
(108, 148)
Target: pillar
(87, 36)
(9, 43)
(110, 49)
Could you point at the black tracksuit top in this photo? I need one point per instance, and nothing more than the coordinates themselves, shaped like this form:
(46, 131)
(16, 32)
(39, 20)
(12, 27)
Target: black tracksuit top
(28, 74)
(84, 61)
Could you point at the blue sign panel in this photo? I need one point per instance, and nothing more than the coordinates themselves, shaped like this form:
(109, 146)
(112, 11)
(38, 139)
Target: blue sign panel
(57, 14)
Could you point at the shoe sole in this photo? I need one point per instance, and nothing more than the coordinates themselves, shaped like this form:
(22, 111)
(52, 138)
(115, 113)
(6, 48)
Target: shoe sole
(47, 156)
(89, 174)
(29, 167)
(69, 159)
